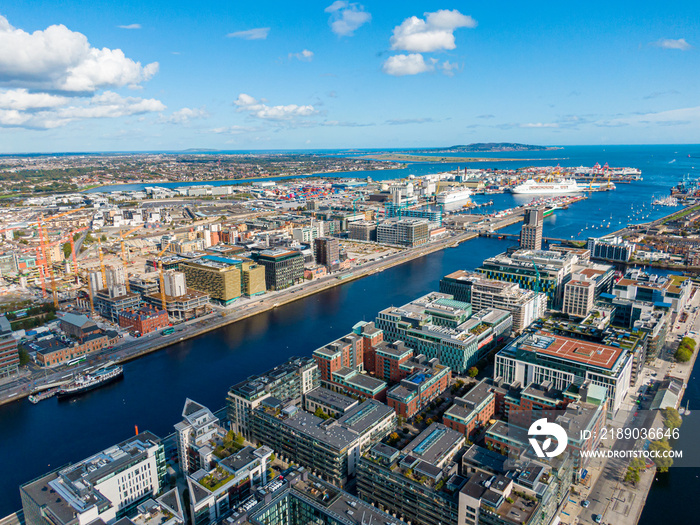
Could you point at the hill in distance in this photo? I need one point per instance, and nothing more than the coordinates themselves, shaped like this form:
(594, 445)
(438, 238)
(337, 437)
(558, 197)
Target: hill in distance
(495, 146)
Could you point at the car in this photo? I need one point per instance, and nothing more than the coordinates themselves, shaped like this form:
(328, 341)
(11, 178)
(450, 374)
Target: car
(597, 518)
(585, 503)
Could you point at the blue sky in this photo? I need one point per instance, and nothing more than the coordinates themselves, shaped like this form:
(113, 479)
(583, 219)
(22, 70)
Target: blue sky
(127, 75)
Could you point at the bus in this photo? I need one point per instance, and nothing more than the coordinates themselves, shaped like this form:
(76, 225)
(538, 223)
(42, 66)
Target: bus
(167, 331)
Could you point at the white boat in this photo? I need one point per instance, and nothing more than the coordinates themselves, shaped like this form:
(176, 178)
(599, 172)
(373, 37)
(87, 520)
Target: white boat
(547, 188)
(455, 198)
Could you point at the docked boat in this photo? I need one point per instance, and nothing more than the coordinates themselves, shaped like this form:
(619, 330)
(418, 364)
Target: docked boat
(454, 199)
(547, 188)
(86, 382)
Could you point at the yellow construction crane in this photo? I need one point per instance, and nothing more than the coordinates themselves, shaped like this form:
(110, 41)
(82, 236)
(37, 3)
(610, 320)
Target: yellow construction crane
(164, 304)
(86, 277)
(124, 261)
(102, 263)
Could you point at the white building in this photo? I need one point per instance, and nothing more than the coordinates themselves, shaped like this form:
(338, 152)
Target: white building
(105, 486)
(174, 283)
(194, 435)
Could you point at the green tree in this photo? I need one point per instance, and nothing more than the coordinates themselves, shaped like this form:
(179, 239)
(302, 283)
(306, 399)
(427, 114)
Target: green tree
(672, 418)
(660, 448)
(66, 250)
(473, 372)
(633, 471)
(320, 413)
(103, 238)
(23, 357)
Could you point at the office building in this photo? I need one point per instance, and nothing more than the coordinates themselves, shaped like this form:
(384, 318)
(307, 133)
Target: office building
(409, 232)
(218, 277)
(438, 326)
(252, 279)
(107, 486)
(481, 292)
(195, 436)
(636, 285)
(578, 298)
(167, 509)
(542, 271)
(540, 357)
(328, 252)
(283, 268)
(287, 382)
(362, 231)
(531, 231)
(419, 483)
(610, 249)
(115, 276)
(182, 307)
(330, 448)
(9, 355)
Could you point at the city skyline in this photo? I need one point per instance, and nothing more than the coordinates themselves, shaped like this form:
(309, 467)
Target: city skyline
(128, 77)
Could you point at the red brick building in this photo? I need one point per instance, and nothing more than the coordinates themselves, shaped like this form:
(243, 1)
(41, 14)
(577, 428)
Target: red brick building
(428, 379)
(144, 320)
(52, 352)
(472, 412)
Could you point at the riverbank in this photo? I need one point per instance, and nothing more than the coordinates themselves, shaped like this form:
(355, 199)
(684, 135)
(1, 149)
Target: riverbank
(133, 350)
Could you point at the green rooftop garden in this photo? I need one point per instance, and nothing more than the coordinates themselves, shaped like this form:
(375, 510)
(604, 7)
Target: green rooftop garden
(216, 479)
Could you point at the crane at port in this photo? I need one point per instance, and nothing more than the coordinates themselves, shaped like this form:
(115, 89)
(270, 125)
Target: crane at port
(124, 258)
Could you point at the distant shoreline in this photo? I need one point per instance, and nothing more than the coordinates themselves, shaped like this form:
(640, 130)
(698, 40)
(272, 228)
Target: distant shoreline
(400, 157)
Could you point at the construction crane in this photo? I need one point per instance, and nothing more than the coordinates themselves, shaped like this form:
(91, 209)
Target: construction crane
(163, 302)
(102, 263)
(124, 260)
(86, 277)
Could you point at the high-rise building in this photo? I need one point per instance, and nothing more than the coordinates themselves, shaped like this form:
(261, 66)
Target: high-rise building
(328, 252)
(362, 231)
(95, 279)
(9, 356)
(104, 487)
(194, 435)
(531, 231)
(578, 297)
(481, 292)
(283, 268)
(114, 275)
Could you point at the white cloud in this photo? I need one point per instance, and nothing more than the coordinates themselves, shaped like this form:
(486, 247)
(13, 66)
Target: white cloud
(434, 33)
(21, 99)
(236, 130)
(259, 33)
(346, 17)
(304, 56)
(130, 26)
(256, 108)
(59, 59)
(449, 68)
(44, 111)
(675, 117)
(670, 43)
(184, 115)
(400, 65)
(539, 125)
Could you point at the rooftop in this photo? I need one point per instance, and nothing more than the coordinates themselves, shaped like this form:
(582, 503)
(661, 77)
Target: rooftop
(587, 353)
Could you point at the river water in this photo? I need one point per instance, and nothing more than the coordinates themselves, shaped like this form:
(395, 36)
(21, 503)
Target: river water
(37, 438)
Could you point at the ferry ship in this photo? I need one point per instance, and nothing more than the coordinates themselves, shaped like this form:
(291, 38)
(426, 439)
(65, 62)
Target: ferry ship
(547, 188)
(86, 382)
(454, 199)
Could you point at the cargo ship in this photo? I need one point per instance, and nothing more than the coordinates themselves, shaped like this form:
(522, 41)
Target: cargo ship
(547, 188)
(86, 382)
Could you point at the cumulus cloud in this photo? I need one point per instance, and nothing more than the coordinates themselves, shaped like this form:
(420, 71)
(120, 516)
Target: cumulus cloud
(130, 26)
(346, 17)
(258, 109)
(304, 56)
(185, 115)
(670, 43)
(44, 111)
(434, 33)
(58, 59)
(22, 100)
(259, 33)
(400, 65)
